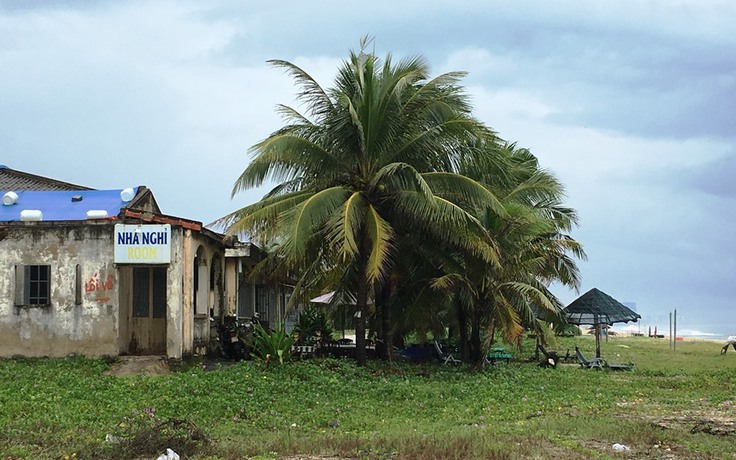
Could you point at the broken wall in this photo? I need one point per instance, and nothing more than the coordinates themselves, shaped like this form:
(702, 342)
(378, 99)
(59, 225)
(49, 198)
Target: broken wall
(82, 316)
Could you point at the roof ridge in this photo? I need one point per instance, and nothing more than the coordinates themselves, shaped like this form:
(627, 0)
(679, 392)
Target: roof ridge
(21, 180)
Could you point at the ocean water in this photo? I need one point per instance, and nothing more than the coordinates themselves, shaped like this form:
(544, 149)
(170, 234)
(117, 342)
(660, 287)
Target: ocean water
(714, 332)
(703, 335)
(706, 331)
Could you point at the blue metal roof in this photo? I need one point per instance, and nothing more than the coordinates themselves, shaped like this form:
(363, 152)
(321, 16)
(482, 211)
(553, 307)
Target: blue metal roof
(64, 205)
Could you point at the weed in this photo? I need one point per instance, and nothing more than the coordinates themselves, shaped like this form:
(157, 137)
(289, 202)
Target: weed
(144, 433)
(55, 407)
(272, 345)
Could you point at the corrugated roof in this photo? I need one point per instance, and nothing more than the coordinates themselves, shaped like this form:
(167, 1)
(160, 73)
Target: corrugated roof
(63, 205)
(11, 179)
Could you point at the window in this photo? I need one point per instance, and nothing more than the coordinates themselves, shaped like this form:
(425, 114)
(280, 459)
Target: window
(33, 285)
(78, 285)
(262, 299)
(149, 292)
(245, 300)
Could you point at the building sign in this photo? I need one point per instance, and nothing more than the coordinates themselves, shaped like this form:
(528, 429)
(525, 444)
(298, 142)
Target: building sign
(142, 244)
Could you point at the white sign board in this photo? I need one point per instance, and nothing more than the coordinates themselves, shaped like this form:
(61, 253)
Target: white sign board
(142, 244)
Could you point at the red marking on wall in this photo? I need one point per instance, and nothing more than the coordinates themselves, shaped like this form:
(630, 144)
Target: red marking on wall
(100, 285)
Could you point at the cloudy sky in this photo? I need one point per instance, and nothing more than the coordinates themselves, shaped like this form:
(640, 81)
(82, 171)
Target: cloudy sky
(632, 108)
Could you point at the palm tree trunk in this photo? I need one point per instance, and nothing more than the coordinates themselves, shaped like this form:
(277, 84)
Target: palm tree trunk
(462, 321)
(383, 295)
(361, 302)
(491, 334)
(360, 310)
(475, 346)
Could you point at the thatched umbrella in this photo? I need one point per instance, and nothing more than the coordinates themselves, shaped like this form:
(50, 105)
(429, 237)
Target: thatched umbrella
(597, 308)
(341, 301)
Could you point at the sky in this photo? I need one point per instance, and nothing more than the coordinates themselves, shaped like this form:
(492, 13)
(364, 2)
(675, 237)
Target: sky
(632, 108)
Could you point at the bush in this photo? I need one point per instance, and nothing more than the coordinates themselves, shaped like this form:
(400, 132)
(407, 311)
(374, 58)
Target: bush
(313, 326)
(274, 344)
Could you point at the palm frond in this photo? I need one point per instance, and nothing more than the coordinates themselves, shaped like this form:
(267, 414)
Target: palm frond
(380, 234)
(444, 221)
(264, 213)
(451, 282)
(402, 176)
(292, 116)
(532, 295)
(312, 93)
(344, 226)
(303, 221)
(466, 190)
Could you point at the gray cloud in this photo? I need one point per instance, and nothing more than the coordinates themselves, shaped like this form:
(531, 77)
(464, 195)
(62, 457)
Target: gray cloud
(717, 178)
(631, 107)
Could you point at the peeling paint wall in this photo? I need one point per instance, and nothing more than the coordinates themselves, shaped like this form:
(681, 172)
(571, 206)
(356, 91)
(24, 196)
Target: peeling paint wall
(89, 327)
(91, 297)
(231, 285)
(211, 253)
(175, 346)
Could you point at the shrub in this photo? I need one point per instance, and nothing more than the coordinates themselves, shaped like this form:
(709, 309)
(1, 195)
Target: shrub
(313, 326)
(273, 344)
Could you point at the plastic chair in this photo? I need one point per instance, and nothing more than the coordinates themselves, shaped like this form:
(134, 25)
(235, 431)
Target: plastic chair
(594, 363)
(445, 357)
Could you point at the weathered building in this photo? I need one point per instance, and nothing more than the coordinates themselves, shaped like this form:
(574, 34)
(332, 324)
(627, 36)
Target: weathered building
(104, 272)
(249, 296)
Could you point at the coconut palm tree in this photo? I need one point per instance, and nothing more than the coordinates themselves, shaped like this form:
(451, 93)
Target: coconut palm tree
(534, 248)
(358, 162)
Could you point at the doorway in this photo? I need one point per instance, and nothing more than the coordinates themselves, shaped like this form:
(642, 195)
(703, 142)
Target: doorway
(148, 321)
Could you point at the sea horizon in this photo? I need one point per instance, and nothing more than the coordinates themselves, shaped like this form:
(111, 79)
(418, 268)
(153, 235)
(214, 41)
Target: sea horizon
(712, 333)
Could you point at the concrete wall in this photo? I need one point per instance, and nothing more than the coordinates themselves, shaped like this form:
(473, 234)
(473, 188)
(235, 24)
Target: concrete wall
(231, 286)
(125, 299)
(64, 327)
(187, 331)
(175, 344)
(98, 323)
(211, 253)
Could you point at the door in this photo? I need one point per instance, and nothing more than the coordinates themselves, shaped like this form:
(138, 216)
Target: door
(148, 322)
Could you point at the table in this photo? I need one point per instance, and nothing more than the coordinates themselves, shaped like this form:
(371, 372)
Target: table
(344, 350)
(497, 355)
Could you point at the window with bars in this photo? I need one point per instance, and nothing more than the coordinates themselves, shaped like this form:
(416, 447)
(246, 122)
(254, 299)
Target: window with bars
(33, 285)
(149, 292)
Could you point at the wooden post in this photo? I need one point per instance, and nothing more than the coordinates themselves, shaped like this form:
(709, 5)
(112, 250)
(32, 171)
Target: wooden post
(597, 340)
(675, 328)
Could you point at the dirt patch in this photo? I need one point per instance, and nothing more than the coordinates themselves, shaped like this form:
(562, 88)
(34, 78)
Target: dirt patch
(700, 423)
(314, 457)
(126, 366)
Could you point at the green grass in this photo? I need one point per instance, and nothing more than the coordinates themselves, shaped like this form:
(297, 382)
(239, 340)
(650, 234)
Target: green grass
(51, 408)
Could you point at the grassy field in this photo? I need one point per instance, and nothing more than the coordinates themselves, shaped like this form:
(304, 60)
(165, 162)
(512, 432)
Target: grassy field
(672, 405)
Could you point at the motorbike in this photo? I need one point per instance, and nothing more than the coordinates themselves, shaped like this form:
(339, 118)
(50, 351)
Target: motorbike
(232, 338)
